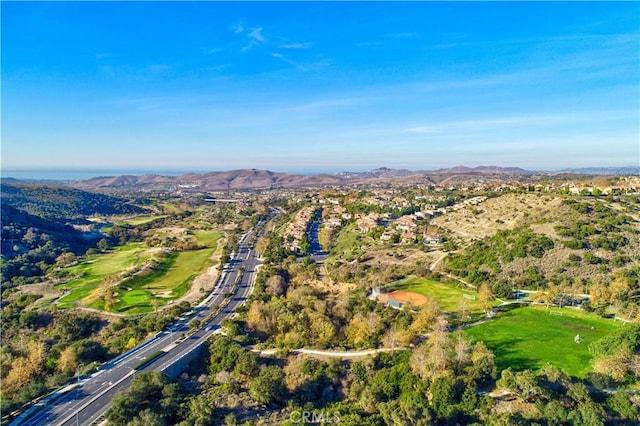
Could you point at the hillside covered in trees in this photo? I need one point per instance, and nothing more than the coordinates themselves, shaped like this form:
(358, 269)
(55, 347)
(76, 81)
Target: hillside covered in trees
(41, 223)
(57, 202)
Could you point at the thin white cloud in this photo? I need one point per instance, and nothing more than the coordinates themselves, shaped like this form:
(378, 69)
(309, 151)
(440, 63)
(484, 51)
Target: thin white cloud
(237, 29)
(297, 45)
(286, 60)
(256, 34)
(502, 122)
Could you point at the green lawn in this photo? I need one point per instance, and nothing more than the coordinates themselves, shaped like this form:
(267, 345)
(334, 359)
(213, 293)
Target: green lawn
(170, 280)
(531, 337)
(450, 296)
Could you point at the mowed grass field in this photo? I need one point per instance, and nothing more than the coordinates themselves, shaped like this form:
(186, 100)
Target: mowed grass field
(531, 337)
(140, 220)
(94, 270)
(449, 296)
(170, 280)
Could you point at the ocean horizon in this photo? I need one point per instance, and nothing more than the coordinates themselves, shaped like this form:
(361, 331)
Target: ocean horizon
(80, 174)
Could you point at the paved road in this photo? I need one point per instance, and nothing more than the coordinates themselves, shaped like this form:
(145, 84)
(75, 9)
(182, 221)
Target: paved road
(317, 254)
(91, 398)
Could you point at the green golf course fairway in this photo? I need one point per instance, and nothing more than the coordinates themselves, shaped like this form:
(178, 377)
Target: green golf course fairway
(169, 280)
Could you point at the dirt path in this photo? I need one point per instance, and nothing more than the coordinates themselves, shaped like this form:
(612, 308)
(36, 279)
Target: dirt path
(438, 260)
(99, 312)
(330, 354)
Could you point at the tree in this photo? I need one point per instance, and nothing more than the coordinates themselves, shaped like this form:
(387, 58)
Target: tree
(588, 414)
(634, 365)
(148, 418)
(461, 351)
(463, 310)
(148, 391)
(66, 259)
(305, 244)
(30, 238)
(599, 293)
(485, 297)
(431, 358)
(276, 285)
(620, 403)
(357, 330)
(68, 360)
(19, 375)
(483, 368)
(425, 318)
(614, 365)
(555, 413)
(410, 409)
(103, 245)
(201, 410)
(71, 326)
(110, 299)
(418, 360)
(124, 407)
(269, 386)
(443, 402)
(523, 383)
(246, 364)
(391, 338)
(397, 337)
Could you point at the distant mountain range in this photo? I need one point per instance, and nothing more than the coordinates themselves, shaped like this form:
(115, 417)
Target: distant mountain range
(265, 179)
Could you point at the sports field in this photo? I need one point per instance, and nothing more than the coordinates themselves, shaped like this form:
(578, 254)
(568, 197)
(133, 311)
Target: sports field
(531, 337)
(449, 296)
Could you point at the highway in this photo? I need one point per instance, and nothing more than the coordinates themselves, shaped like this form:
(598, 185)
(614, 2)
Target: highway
(91, 397)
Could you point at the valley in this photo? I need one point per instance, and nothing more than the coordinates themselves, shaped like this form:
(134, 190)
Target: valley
(473, 285)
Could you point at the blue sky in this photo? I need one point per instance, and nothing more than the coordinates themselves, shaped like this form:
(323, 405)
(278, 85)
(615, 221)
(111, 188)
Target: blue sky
(317, 86)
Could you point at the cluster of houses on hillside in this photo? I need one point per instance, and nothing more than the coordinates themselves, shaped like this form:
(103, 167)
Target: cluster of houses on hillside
(334, 214)
(297, 228)
(408, 229)
(427, 202)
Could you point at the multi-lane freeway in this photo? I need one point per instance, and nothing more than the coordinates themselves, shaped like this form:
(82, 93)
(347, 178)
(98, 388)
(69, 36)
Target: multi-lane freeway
(88, 401)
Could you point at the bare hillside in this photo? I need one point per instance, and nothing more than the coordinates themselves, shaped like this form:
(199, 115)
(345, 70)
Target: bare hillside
(505, 212)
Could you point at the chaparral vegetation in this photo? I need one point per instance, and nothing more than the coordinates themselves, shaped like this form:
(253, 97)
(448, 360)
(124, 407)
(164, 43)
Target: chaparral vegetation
(383, 304)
